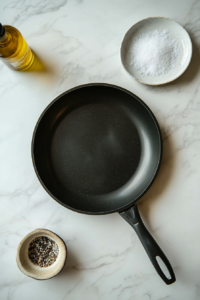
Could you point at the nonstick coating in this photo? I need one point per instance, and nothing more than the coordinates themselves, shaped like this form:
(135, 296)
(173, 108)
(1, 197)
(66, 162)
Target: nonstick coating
(96, 149)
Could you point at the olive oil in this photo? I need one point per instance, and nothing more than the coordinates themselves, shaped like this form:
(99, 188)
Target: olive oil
(14, 51)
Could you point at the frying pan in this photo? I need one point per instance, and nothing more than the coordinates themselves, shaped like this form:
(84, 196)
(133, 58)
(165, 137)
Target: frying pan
(97, 149)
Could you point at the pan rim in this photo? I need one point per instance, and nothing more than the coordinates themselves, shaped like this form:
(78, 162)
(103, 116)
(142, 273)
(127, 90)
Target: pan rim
(127, 206)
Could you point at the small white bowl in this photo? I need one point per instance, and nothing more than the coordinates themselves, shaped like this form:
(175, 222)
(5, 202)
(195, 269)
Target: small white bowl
(34, 271)
(176, 31)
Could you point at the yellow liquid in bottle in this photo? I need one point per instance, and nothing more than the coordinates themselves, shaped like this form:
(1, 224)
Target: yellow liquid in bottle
(14, 51)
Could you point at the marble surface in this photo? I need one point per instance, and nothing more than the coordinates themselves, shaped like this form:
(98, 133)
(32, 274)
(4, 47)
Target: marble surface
(78, 42)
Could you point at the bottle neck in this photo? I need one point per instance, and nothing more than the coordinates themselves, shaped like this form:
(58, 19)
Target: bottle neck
(5, 39)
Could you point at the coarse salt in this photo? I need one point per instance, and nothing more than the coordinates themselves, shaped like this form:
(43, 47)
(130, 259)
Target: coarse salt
(153, 53)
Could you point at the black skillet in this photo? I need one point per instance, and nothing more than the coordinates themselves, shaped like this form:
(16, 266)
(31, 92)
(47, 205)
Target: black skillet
(97, 149)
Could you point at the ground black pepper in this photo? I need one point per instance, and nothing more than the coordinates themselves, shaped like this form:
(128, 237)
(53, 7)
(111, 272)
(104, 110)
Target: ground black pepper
(43, 251)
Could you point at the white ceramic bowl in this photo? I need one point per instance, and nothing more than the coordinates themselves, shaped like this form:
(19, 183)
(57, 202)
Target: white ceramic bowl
(176, 31)
(34, 271)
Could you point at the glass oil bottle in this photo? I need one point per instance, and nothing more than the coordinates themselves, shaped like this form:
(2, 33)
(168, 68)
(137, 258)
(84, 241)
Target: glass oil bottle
(14, 51)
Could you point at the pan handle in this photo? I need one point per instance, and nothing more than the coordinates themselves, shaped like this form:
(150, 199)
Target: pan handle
(154, 252)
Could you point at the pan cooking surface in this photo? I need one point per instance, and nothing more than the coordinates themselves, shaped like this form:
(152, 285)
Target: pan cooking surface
(96, 149)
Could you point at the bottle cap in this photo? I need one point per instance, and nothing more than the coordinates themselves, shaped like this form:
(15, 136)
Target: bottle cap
(2, 30)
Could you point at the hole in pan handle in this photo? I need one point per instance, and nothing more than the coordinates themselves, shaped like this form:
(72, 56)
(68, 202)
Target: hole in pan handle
(132, 216)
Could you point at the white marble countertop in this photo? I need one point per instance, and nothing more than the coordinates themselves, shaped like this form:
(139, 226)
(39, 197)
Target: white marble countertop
(78, 42)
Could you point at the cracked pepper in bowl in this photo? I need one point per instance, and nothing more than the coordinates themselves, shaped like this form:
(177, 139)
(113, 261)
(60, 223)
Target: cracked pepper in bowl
(43, 251)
